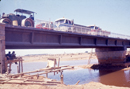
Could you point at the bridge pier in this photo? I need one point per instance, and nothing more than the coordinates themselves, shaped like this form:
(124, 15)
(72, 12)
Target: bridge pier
(111, 55)
(2, 48)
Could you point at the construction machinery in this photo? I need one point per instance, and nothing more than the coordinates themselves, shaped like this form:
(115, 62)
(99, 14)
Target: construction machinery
(19, 19)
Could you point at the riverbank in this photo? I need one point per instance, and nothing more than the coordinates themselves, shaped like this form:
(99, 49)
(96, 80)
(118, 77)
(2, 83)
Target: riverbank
(62, 57)
(91, 85)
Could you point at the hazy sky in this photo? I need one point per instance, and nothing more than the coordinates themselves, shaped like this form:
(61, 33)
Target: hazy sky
(110, 15)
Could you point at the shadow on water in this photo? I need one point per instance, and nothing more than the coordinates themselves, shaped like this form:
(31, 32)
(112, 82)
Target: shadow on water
(106, 69)
(115, 77)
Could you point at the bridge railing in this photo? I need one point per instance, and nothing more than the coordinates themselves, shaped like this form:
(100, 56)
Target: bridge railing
(89, 31)
(116, 35)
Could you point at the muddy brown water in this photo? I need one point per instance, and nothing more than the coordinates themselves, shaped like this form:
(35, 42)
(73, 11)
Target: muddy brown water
(105, 76)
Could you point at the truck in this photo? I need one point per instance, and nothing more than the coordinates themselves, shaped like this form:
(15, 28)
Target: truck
(47, 25)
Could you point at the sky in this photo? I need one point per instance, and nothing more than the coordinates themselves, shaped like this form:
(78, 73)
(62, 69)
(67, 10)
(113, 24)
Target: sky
(110, 15)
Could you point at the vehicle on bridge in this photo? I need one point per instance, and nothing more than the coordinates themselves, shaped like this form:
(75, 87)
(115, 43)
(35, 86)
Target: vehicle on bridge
(19, 19)
(95, 30)
(63, 24)
(67, 25)
(45, 25)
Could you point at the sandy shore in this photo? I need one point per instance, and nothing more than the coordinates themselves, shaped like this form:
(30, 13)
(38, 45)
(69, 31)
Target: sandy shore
(62, 57)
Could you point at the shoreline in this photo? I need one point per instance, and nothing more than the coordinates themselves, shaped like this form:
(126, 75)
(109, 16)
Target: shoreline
(62, 57)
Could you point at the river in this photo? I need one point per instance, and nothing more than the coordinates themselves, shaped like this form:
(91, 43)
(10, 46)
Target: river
(107, 76)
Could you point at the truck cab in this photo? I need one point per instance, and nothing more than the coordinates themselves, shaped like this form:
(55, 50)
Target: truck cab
(63, 24)
(95, 30)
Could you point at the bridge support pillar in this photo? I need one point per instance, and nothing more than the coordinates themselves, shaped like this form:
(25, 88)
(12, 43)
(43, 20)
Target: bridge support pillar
(111, 55)
(2, 48)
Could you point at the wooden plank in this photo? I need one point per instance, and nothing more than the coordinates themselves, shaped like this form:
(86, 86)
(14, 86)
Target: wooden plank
(9, 67)
(61, 76)
(28, 83)
(22, 66)
(32, 80)
(19, 67)
(40, 70)
(13, 61)
(58, 62)
(77, 82)
(50, 71)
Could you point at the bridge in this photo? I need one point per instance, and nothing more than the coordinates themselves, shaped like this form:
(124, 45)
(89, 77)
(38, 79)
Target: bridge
(108, 49)
(17, 37)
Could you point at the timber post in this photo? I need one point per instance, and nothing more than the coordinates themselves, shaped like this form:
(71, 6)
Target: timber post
(61, 76)
(2, 48)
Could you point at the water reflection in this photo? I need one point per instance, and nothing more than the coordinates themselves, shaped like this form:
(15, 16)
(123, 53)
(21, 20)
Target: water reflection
(127, 75)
